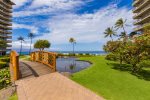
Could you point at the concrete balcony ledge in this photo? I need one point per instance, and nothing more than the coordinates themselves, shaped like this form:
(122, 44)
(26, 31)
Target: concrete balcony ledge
(135, 2)
(140, 7)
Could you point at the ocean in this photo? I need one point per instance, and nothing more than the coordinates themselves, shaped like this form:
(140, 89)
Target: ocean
(77, 52)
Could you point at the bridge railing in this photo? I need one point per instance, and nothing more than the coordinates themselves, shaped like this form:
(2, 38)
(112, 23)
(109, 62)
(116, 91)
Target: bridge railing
(14, 65)
(47, 58)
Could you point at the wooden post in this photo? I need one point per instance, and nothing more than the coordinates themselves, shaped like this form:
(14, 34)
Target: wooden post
(14, 65)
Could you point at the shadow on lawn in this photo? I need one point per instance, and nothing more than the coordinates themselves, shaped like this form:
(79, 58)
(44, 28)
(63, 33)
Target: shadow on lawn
(143, 74)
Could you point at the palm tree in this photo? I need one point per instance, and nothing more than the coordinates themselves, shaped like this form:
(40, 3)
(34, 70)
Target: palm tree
(73, 42)
(21, 39)
(110, 32)
(31, 36)
(121, 24)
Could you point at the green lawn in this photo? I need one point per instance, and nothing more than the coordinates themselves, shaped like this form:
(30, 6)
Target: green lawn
(110, 83)
(13, 97)
(25, 57)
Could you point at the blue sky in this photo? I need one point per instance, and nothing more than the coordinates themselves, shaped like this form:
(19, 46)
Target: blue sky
(58, 20)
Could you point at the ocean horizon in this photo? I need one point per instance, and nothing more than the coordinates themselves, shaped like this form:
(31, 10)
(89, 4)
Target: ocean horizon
(77, 52)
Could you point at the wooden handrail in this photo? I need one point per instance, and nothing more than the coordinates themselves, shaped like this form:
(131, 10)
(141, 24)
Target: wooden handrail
(47, 58)
(14, 65)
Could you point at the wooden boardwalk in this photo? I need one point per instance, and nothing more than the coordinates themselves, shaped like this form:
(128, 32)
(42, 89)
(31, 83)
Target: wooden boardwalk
(33, 69)
(40, 84)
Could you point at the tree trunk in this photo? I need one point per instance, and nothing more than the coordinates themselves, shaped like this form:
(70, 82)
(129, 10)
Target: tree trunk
(126, 37)
(134, 69)
(21, 48)
(30, 46)
(73, 48)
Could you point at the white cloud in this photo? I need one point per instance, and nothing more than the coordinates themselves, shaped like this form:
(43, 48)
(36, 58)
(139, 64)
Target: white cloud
(39, 7)
(85, 28)
(26, 45)
(32, 29)
(19, 3)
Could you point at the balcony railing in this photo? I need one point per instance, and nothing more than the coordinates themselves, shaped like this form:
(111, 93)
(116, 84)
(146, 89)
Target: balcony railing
(142, 20)
(140, 27)
(135, 2)
(5, 27)
(140, 7)
(9, 41)
(5, 13)
(147, 8)
(6, 4)
(6, 22)
(5, 18)
(5, 36)
(4, 31)
(6, 9)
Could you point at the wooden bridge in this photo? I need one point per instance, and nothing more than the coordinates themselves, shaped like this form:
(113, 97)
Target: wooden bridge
(38, 80)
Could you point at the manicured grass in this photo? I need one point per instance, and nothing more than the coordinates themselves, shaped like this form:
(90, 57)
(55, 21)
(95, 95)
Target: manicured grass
(13, 97)
(25, 57)
(110, 83)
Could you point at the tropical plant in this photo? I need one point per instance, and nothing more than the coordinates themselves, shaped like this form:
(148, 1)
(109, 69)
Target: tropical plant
(135, 52)
(120, 24)
(21, 39)
(110, 32)
(4, 78)
(42, 44)
(132, 34)
(31, 36)
(3, 43)
(73, 42)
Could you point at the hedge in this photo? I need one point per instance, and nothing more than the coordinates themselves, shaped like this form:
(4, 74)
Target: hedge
(3, 64)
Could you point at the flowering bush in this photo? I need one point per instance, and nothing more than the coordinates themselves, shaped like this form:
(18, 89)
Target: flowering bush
(4, 78)
(135, 51)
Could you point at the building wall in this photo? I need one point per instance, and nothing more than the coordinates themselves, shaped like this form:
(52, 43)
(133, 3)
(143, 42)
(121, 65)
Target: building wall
(5, 24)
(141, 13)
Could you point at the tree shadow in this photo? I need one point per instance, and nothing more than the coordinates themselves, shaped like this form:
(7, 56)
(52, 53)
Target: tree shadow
(142, 74)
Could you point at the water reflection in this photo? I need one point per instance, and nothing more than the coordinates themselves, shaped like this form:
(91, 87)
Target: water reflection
(71, 65)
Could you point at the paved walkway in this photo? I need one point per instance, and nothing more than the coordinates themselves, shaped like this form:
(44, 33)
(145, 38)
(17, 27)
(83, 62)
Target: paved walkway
(49, 86)
(33, 69)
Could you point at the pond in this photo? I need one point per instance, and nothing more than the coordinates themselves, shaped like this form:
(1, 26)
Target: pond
(71, 65)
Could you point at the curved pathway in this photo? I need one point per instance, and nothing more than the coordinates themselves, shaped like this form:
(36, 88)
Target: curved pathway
(44, 85)
(32, 69)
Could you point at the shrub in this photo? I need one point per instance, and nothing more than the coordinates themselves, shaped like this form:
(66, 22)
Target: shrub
(81, 54)
(111, 57)
(3, 65)
(71, 54)
(4, 78)
(87, 54)
(145, 63)
(5, 59)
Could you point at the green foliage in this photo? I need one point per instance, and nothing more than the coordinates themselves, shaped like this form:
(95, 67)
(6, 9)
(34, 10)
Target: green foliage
(3, 65)
(5, 59)
(13, 97)
(110, 32)
(144, 63)
(4, 78)
(72, 40)
(111, 57)
(3, 44)
(42, 44)
(87, 54)
(113, 83)
(132, 51)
